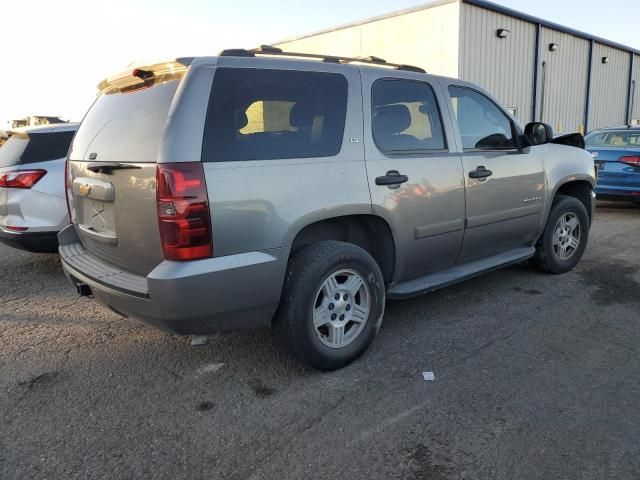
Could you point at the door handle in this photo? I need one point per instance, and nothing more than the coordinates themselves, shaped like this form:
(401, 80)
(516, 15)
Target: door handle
(392, 177)
(480, 172)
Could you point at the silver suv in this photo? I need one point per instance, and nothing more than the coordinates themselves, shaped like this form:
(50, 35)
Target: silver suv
(218, 193)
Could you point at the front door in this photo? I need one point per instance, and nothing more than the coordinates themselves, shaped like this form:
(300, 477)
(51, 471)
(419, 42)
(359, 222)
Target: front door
(505, 184)
(415, 179)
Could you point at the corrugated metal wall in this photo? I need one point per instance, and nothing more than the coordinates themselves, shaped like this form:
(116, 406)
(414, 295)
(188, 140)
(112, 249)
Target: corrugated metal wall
(460, 40)
(610, 83)
(503, 66)
(635, 111)
(426, 37)
(562, 94)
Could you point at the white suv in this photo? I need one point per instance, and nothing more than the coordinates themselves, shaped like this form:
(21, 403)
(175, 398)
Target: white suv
(32, 198)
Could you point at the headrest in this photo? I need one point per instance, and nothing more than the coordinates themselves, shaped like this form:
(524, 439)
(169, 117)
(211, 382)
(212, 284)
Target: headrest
(301, 115)
(241, 120)
(391, 119)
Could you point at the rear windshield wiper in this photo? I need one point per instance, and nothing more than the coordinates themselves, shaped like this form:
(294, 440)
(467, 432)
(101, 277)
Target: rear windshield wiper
(108, 167)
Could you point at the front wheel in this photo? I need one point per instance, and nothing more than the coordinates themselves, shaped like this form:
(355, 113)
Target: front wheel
(332, 304)
(565, 236)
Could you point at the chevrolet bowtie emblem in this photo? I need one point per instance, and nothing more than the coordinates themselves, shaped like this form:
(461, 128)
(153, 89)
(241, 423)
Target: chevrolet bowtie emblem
(84, 190)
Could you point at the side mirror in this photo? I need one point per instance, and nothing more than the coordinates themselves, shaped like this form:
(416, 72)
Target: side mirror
(537, 133)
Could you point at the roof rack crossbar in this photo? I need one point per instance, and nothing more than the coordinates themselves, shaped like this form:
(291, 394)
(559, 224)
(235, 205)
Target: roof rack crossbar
(373, 59)
(274, 51)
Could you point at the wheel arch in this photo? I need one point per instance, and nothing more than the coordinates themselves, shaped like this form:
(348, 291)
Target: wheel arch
(368, 231)
(579, 189)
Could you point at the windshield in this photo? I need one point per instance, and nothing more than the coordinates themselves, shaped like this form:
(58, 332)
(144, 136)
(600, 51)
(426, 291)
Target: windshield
(613, 139)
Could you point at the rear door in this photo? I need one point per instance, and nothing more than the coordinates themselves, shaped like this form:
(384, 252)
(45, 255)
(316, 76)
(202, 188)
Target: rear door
(505, 185)
(112, 170)
(415, 173)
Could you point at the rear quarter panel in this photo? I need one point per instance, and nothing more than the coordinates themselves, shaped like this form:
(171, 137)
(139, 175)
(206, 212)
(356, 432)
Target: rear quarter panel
(43, 207)
(260, 205)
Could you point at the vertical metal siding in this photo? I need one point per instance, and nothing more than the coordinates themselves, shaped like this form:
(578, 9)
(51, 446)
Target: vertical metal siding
(610, 87)
(565, 76)
(635, 108)
(505, 67)
(427, 38)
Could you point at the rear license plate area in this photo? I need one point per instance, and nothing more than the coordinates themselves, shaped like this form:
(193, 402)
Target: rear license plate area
(97, 216)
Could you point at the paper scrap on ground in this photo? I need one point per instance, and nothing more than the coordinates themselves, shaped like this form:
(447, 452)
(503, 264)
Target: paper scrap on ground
(199, 340)
(428, 376)
(214, 367)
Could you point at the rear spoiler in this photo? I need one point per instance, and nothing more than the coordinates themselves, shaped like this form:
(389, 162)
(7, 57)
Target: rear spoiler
(144, 75)
(572, 140)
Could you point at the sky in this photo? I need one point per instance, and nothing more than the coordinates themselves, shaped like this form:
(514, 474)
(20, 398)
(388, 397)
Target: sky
(55, 52)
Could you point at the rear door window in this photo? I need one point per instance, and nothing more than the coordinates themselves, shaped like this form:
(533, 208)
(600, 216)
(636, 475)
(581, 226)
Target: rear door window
(406, 117)
(257, 114)
(22, 149)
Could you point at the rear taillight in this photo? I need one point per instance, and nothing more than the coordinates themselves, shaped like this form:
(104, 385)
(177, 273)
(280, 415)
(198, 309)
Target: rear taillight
(183, 211)
(630, 160)
(21, 178)
(68, 183)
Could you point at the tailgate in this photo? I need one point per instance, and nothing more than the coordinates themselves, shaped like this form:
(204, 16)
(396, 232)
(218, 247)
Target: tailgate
(115, 215)
(112, 169)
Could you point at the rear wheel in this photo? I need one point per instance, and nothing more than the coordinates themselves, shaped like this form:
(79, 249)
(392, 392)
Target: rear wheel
(332, 304)
(565, 236)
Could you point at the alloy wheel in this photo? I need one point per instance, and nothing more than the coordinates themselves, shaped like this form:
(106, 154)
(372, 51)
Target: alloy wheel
(566, 236)
(341, 308)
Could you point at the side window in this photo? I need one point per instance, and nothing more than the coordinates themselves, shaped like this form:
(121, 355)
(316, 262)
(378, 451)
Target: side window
(405, 116)
(483, 126)
(274, 114)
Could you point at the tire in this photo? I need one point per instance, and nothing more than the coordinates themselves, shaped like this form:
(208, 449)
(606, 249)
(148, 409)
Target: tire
(560, 254)
(315, 275)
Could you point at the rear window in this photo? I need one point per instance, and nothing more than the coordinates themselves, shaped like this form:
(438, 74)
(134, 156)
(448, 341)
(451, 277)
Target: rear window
(621, 138)
(274, 114)
(23, 149)
(125, 126)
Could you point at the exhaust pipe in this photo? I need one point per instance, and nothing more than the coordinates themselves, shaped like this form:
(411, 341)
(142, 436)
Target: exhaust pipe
(84, 290)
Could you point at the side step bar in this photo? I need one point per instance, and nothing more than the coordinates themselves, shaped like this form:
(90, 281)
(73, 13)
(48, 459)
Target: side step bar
(458, 273)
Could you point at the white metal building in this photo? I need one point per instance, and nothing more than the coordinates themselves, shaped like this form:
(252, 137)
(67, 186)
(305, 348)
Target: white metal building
(540, 70)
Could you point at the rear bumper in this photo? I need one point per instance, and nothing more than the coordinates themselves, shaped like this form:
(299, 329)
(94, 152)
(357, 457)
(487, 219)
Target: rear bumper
(188, 298)
(36, 242)
(620, 185)
(609, 192)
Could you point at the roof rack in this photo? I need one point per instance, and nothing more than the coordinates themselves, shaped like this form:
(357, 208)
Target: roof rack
(275, 51)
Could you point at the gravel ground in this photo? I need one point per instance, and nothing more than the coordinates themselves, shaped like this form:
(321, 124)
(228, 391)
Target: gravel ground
(536, 377)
